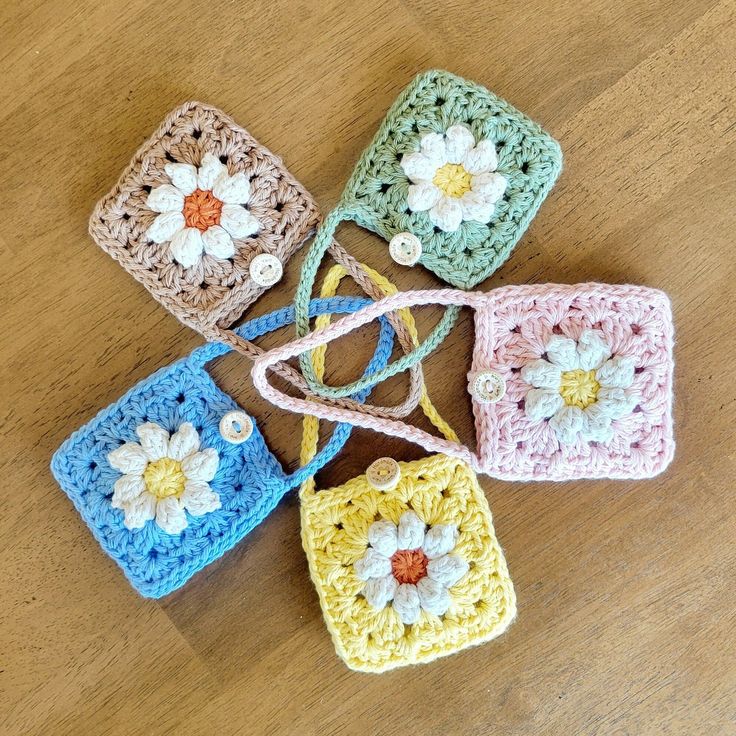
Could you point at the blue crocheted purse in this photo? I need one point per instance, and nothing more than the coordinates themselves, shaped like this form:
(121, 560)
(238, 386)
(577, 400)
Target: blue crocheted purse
(174, 474)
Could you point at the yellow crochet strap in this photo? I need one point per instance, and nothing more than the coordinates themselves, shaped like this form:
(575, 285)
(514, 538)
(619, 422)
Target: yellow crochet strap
(310, 425)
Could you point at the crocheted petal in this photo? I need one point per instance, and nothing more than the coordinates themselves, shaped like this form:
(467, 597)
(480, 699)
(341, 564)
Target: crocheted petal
(540, 403)
(233, 189)
(599, 428)
(183, 442)
(217, 242)
(170, 515)
(592, 349)
(166, 198)
(423, 196)
(447, 570)
(165, 226)
(199, 499)
(477, 207)
(568, 423)
(372, 565)
(541, 374)
(238, 221)
(129, 458)
(183, 177)
(127, 488)
(201, 465)
(383, 537)
(617, 372)
(433, 147)
(481, 158)
(406, 603)
(187, 246)
(154, 440)
(458, 140)
(433, 596)
(380, 591)
(491, 185)
(139, 511)
(447, 214)
(411, 531)
(562, 351)
(439, 540)
(210, 171)
(418, 167)
(614, 402)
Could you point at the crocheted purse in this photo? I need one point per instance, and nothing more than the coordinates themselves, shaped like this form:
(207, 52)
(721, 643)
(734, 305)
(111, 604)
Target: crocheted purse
(205, 218)
(175, 473)
(567, 381)
(452, 180)
(404, 558)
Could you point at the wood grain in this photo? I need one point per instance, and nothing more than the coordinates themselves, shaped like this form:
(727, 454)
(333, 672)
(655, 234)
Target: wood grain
(627, 594)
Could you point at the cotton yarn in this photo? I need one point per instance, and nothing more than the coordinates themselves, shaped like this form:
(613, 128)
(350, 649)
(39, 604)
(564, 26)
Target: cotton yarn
(465, 592)
(157, 545)
(440, 115)
(514, 326)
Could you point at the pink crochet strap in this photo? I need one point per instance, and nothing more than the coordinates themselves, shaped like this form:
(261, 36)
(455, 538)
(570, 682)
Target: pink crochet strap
(327, 410)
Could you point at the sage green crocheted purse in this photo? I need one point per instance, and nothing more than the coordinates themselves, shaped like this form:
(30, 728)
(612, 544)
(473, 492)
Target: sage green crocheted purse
(452, 179)
(459, 169)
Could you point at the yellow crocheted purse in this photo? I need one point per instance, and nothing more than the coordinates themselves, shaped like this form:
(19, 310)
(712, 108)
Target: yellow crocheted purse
(404, 558)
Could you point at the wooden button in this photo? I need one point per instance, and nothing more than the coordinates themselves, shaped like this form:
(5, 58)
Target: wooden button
(488, 387)
(236, 427)
(383, 474)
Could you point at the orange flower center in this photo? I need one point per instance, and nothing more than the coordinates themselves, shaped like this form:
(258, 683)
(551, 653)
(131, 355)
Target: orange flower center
(409, 565)
(202, 209)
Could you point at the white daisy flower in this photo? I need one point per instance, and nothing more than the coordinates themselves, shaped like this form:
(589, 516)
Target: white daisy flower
(202, 210)
(410, 567)
(164, 477)
(454, 178)
(579, 387)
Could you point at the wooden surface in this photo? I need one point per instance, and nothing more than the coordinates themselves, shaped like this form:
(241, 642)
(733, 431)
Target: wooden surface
(627, 591)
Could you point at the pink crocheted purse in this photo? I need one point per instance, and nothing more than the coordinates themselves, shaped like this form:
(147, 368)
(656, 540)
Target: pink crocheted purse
(567, 381)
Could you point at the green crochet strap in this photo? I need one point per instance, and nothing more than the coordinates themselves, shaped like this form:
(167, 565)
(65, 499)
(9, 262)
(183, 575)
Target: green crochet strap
(303, 295)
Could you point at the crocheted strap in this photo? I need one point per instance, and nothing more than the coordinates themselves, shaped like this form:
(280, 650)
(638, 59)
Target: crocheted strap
(200, 357)
(323, 241)
(367, 281)
(310, 425)
(324, 410)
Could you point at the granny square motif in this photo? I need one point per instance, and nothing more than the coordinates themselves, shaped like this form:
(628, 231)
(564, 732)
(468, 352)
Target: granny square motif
(409, 573)
(204, 217)
(175, 473)
(454, 176)
(578, 382)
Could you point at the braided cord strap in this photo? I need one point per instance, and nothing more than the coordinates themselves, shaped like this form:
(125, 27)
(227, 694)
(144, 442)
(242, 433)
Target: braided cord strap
(322, 242)
(369, 280)
(327, 410)
(310, 425)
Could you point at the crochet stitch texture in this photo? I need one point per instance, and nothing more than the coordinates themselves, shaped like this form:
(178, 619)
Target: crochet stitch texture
(336, 526)
(378, 192)
(514, 328)
(249, 480)
(215, 290)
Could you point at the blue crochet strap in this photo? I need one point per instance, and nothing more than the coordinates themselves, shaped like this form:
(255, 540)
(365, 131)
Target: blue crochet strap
(285, 316)
(370, 378)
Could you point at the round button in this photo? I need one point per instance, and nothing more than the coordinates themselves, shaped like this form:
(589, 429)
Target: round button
(383, 474)
(236, 427)
(488, 387)
(266, 269)
(405, 249)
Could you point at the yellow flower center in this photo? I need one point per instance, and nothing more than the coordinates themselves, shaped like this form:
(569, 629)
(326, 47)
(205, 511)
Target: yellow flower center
(579, 388)
(164, 478)
(452, 179)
